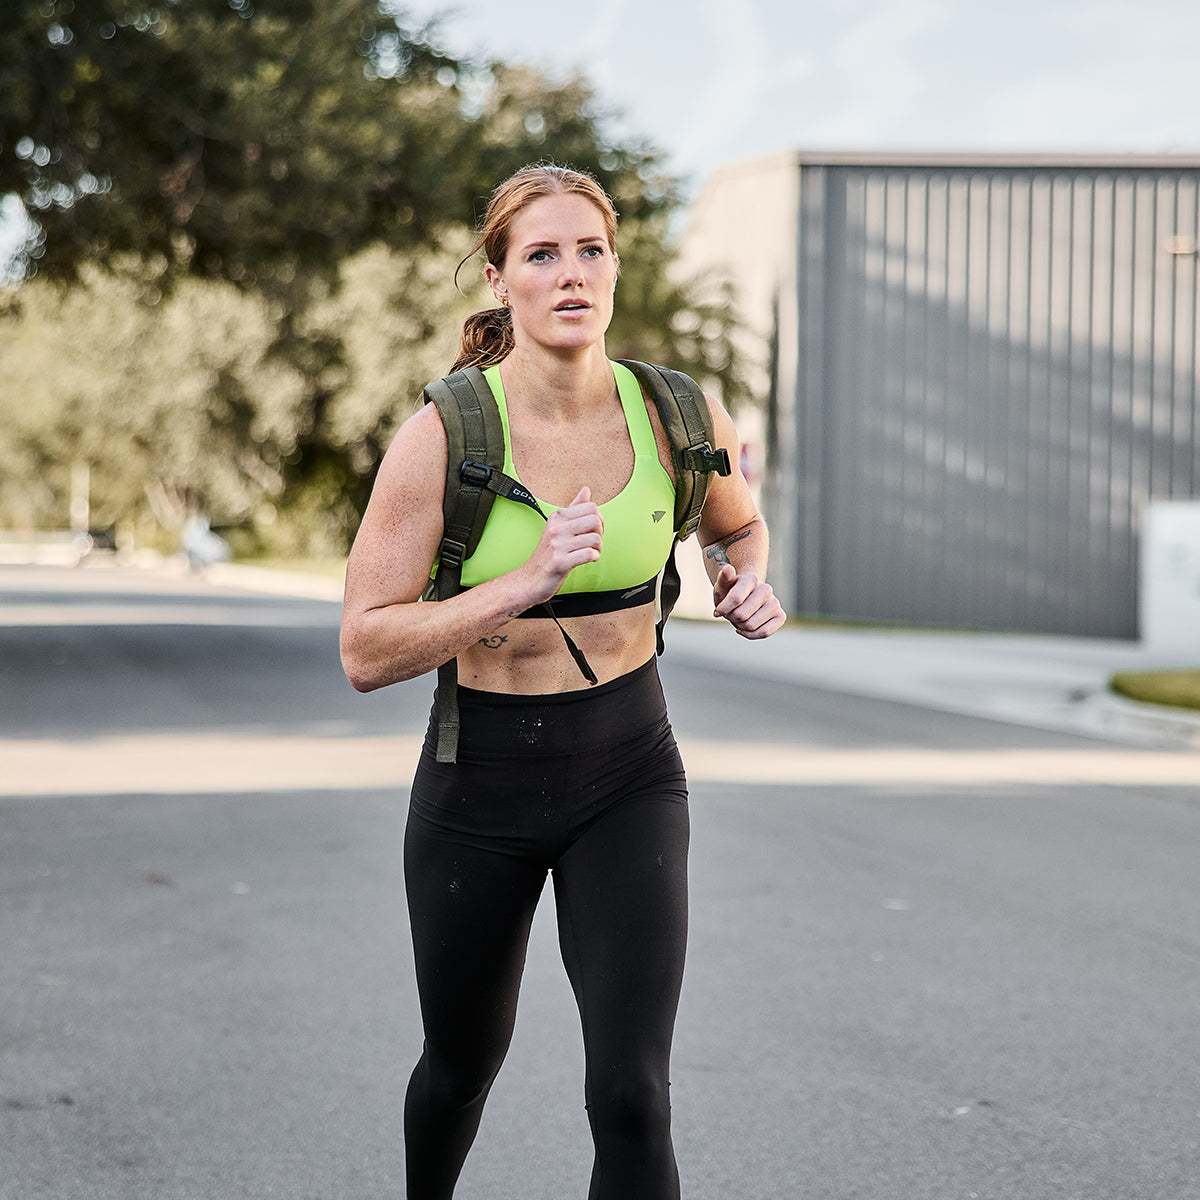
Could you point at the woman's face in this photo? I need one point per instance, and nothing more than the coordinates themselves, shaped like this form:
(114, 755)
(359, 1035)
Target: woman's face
(558, 275)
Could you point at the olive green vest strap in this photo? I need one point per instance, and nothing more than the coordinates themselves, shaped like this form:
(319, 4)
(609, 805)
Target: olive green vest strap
(669, 588)
(687, 422)
(474, 435)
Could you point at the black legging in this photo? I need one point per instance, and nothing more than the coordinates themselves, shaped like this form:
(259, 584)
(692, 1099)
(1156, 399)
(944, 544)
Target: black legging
(589, 786)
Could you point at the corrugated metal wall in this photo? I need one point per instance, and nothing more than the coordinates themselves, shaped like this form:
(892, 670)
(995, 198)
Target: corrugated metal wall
(996, 368)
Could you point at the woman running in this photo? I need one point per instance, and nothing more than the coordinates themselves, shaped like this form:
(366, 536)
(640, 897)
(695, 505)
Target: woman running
(552, 775)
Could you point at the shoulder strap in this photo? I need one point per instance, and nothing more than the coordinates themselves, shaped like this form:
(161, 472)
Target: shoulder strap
(688, 424)
(474, 434)
(685, 417)
(474, 438)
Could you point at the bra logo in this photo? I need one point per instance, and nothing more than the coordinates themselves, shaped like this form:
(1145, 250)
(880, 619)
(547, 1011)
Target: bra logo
(658, 516)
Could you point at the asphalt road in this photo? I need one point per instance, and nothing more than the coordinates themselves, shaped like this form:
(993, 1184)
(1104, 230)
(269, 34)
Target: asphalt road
(904, 983)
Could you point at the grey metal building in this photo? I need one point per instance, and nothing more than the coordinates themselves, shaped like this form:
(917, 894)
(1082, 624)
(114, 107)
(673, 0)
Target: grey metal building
(978, 370)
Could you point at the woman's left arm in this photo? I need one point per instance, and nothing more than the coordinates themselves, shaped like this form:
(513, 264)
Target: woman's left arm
(733, 537)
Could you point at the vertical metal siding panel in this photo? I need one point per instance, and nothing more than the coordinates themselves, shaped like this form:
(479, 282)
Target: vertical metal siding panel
(1121, 379)
(1018, 383)
(832, 397)
(953, 574)
(1163, 367)
(1147, 341)
(993, 482)
(868, 499)
(1185, 472)
(915, 291)
(1191, 399)
(976, 566)
(895, 366)
(1180, 224)
(812, 400)
(1100, 396)
(921, 490)
(1164, 339)
(1140, 350)
(849, 449)
(930, 526)
(1058, 614)
(999, 475)
(1096, 394)
(1081, 547)
(1036, 434)
(875, 564)
(1141, 342)
(1112, 429)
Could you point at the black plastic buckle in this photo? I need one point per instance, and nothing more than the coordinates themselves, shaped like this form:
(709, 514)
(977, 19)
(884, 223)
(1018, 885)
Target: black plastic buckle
(704, 458)
(452, 553)
(474, 473)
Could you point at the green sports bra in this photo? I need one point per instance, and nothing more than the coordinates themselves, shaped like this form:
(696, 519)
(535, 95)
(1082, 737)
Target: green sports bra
(638, 522)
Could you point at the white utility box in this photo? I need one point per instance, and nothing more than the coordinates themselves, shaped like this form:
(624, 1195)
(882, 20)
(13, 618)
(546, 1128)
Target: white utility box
(1169, 595)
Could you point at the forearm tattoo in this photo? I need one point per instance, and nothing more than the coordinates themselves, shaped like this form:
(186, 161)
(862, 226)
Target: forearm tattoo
(494, 642)
(719, 550)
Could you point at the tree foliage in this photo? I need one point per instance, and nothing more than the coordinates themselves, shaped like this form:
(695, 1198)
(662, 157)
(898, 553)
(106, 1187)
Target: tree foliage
(254, 140)
(185, 405)
(226, 140)
(246, 219)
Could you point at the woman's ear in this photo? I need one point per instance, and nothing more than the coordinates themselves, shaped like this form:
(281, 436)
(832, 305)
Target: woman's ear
(496, 283)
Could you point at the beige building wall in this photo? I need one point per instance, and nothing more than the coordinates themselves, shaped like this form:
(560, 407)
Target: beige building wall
(742, 230)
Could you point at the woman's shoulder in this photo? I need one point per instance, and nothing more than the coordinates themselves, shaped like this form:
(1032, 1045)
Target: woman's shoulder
(423, 429)
(718, 413)
(417, 455)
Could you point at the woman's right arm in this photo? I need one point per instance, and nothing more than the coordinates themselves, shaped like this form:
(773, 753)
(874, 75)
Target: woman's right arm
(387, 635)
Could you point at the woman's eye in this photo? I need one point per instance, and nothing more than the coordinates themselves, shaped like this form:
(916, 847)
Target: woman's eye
(539, 256)
(594, 251)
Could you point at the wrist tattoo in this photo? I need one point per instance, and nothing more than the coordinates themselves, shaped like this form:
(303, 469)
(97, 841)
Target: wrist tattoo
(718, 551)
(494, 642)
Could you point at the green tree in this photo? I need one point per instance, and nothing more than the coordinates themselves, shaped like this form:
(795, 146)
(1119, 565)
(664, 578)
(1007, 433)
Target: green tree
(230, 139)
(264, 140)
(175, 407)
(323, 161)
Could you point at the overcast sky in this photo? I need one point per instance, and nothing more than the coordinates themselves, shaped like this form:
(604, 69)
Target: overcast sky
(713, 82)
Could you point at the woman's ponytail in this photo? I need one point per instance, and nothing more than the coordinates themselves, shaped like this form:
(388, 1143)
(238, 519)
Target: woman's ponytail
(487, 338)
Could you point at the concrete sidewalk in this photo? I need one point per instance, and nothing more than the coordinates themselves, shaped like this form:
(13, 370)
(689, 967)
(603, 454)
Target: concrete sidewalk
(1044, 682)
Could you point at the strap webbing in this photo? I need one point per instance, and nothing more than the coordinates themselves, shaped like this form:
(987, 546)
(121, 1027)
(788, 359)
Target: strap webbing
(668, 592)
(685, 417)
(473, 435)
(688, 425)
